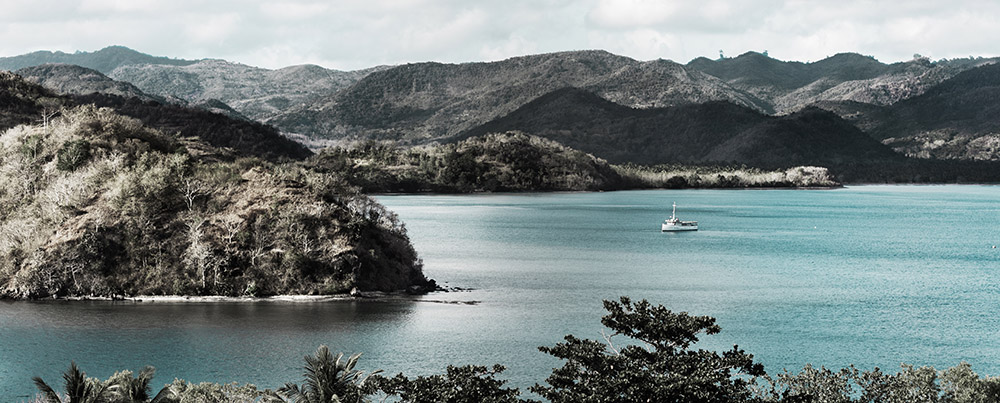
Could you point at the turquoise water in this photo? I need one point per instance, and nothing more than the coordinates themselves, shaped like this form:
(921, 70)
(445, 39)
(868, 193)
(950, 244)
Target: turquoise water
(871, 275)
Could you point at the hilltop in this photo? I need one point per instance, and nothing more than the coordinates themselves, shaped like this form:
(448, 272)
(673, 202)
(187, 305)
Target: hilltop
(255, 92)
(252, 91)
(790, 86)
(69, 79)
(423, 102)
(105, 60)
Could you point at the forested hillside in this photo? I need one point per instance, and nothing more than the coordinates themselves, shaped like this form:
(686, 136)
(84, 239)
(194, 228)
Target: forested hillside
(93, 203)
(417, 103)
(516, 162)
(706, 133)
(958, 119)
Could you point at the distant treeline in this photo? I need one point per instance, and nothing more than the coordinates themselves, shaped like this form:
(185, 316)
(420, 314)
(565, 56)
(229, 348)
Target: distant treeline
(514, 162)
(656, 363)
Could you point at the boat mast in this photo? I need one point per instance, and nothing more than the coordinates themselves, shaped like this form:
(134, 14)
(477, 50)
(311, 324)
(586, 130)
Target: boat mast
(673, 215)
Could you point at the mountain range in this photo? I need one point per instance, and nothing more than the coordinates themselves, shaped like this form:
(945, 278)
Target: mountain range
(749, 109)
(716, 131)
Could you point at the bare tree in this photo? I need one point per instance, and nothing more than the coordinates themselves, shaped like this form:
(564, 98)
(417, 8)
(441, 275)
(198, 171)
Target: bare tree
(232, 224)
(192, 189)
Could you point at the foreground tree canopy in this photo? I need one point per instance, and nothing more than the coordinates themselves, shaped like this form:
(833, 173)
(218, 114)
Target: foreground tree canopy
(656, 364)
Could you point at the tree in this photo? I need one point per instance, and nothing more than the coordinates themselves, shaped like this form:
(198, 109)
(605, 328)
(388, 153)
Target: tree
(79, 389)
(471, 383)
(662, 368)
(328, 379)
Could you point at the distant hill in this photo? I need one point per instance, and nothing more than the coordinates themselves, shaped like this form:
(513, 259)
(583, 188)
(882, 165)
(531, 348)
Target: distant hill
(23, 102)
(424, 102)
(714, 132)
(247, 138)
(69, 79)
(105, 60)
(957, 119)
(255, 92)
(789, 86)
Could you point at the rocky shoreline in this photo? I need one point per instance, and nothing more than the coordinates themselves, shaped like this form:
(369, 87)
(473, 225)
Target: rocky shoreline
(354, 295)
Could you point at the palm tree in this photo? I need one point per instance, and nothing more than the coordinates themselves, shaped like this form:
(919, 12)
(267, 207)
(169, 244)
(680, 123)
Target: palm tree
(328, 379)
(79, 389)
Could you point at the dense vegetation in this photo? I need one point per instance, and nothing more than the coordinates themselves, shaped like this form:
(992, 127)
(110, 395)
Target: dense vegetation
(515, 161)
(247, 138)
(22, 102)
(656, 363)
(97, 204)
(497, 162)
(953, 120)
(677, 176)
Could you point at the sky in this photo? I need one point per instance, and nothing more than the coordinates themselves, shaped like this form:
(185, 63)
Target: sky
(355, 34)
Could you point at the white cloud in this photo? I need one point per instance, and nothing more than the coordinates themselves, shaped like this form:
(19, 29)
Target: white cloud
(351, 34)
(631, 13)
(294, 11)
(514, 45)
(211, 29)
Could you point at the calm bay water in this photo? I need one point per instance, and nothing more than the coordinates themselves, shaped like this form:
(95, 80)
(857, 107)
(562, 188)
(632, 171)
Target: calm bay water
(871, 275)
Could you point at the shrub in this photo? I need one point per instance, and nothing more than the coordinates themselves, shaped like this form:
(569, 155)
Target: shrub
(72, 154)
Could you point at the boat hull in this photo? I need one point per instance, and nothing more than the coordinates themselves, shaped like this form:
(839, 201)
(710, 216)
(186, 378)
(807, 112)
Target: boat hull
(681, 227)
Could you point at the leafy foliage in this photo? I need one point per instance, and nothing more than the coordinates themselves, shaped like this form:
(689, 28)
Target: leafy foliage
(79, 388)
(328, 379)
(957, 384)
(471, 383)
(72, 154)
(663, 368)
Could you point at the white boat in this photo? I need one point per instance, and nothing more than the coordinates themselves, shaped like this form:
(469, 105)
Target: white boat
(675, 224)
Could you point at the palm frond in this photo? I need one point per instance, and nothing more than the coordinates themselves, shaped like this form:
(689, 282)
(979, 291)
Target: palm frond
(76, 383)
(294, 393)
(166, 395)
(48, 394)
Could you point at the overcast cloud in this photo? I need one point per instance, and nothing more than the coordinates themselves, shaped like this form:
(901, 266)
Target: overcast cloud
(354, 34)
